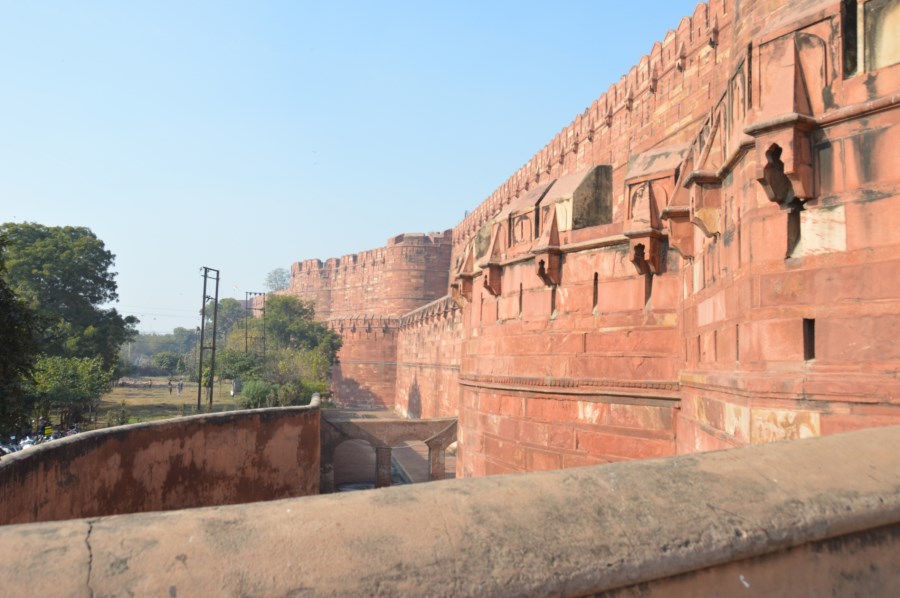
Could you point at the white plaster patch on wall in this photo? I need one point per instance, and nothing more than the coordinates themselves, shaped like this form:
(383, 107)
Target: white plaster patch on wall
(822, 231)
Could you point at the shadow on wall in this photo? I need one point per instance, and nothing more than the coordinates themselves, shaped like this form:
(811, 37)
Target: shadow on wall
(354, 463)
(348, 393)
(415, 400)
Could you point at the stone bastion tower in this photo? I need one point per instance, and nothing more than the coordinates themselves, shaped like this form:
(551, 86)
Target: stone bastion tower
(362, 297)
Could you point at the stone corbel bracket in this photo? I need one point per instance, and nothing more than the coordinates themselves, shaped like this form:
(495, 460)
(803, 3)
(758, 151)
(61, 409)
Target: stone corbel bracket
(705, 189)
(492, 276)
(492, 268)
(644, 230)
(646, 250)
(461, 288)
(681, 233)
(784, 158)
(547, 252)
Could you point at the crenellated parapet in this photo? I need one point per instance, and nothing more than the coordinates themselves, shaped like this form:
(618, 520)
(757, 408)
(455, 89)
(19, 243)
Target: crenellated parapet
(444, 307)
(411, 269)
(627, 114)
(703, 258)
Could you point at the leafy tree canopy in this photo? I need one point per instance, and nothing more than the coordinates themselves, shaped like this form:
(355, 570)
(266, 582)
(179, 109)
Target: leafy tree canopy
(278, 280)
(290, 325)
(18, 351)
(70, 384)
(231, 364)
(63, 274)
(169, 362)
(230, 317)
(180, 341)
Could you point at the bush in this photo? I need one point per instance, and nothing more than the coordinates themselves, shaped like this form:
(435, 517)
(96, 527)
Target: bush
(258, 393)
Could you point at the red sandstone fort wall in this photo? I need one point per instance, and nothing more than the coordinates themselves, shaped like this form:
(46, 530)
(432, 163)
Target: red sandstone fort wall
(428, 356)
(366, 373)
(704, 258)
(408, 272)
(791, 315)
(722, 333)
(585, 370)
(362, 296)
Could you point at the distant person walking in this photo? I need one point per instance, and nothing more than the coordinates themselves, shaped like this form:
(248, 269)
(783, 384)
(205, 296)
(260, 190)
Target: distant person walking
(170, 388)
(180, 387)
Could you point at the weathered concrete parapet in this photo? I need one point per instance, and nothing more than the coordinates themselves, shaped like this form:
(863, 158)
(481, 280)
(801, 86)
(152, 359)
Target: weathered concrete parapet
(203, 460)
(819, 516)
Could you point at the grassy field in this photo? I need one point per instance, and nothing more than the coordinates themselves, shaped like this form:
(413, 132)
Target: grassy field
(148, 399)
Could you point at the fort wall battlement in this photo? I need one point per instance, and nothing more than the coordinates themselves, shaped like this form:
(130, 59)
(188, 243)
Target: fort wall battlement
(386, 282)
(701, 259)
(362, 297)
(659, 98)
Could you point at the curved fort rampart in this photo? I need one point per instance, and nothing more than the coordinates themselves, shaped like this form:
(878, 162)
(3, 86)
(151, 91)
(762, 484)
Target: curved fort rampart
(706, 257)
(362, 296)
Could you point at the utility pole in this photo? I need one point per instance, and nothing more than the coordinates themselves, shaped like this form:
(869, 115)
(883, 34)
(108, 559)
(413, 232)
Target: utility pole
(212, 348)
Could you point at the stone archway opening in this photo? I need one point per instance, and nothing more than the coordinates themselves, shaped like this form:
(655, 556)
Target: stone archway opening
(354, 465)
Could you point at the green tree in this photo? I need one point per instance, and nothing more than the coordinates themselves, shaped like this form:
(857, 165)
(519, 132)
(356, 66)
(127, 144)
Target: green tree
(241, 364)
(290, 325)
(64, 276)
(169, 362)
(183, 340)
(18, 351)
(230, 317)
(71, 385)
(297, 360)
(278, 280)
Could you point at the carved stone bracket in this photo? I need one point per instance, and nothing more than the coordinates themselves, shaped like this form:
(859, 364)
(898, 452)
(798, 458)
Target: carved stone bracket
(705, 189)
(681, 231)
(492, 276)
(547, 253)
(646, 250)
(548, 267)
(783, 131)
(647, 191)
(461, 288)
(784, 158)
(491, 268)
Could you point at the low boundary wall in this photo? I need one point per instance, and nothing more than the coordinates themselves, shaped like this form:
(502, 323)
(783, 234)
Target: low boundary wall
(202, 460)
(809, 517)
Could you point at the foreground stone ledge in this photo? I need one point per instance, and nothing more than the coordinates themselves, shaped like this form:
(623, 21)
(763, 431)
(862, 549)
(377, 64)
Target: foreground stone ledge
(817, 512)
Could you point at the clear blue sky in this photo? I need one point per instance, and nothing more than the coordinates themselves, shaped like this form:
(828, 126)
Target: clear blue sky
(246, 136)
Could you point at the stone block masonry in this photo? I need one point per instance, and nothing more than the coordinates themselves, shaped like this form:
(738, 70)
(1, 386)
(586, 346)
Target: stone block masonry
(704, 258)
(362, 297)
